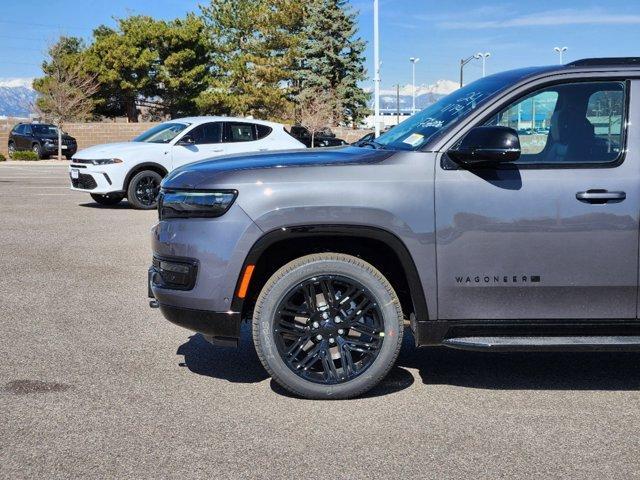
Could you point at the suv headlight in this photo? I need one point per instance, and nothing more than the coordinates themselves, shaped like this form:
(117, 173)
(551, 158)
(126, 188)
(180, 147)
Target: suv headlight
(194, 203)
(106, 161)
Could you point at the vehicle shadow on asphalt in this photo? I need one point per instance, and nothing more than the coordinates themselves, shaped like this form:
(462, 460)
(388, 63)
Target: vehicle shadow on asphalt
(525, 371)
(440, 366)
(241, 365)
(119, 206)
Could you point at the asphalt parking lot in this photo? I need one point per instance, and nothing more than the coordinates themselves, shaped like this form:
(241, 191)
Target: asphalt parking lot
(95, 384)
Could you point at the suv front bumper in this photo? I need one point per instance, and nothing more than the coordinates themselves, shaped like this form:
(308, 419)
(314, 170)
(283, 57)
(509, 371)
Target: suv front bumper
(99, 179)
(216, 248)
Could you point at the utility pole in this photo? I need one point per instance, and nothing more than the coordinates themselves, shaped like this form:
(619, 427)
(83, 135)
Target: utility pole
(376, 68)
(560, 51)
(397, 104)
(484, 57)
(413, 61)
(463, 62)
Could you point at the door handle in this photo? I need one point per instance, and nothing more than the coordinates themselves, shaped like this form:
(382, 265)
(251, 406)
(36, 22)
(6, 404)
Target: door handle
(218, 150)
(599, 196)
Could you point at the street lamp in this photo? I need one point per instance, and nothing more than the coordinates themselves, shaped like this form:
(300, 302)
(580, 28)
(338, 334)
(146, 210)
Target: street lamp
(376, 69)
(413, 61)
(560, 51)
(463, 62)
(484, 57)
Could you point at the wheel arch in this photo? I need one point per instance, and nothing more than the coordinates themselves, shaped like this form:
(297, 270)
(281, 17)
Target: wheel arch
(156, 167)
(381, 248)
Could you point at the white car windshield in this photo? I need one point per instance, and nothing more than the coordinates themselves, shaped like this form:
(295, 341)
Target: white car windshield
(163, 133)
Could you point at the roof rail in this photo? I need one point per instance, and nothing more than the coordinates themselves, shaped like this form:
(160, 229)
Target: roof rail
(605, 62)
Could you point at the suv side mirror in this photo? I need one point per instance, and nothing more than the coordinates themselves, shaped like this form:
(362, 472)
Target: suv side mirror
(186, 141)
(489, 144)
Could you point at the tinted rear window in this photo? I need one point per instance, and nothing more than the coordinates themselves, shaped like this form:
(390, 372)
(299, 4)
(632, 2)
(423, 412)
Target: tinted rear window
(263, 131)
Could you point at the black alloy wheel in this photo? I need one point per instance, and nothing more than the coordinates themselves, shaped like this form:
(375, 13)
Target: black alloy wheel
(143, 190)
(327, 326)
(329, 329)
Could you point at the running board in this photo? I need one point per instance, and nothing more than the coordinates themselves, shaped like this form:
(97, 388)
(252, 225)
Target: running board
(546, 344)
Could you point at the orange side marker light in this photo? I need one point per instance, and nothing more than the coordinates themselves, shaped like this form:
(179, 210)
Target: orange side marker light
(246, 278)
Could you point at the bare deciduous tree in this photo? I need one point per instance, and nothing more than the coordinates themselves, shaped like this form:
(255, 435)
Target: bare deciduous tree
(316, 111)
(65, 94)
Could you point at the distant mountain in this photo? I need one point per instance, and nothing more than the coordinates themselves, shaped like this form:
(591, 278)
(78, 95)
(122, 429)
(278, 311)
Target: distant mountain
(16, 97)
(425, 96)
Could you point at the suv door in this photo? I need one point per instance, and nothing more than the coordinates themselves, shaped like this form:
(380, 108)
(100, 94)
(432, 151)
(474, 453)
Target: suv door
(18, 137)
(535, 239)
(27, 137)
(205, 141)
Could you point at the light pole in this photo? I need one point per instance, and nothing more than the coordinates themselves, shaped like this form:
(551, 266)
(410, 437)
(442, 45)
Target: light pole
(463, 62)
(376, 69)
(560, 51)
(484, 57)
(413, 61)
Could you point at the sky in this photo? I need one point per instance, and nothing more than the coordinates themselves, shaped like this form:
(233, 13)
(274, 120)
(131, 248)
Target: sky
(440, 33)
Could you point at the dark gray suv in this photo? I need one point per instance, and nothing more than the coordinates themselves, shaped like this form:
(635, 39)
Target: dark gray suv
(454, 224)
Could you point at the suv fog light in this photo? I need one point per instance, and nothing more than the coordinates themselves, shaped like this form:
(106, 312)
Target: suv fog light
(178, 275)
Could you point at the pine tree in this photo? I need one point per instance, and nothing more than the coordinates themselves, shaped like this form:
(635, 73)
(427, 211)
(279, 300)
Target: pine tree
(251, 45)
(332, 57)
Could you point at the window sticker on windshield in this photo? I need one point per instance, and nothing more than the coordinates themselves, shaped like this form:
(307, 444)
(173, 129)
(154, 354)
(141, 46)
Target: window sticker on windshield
(414, 139)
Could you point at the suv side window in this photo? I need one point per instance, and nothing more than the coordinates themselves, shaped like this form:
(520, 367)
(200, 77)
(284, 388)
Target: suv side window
(263, 131)
(17, 129)
(207, 133)
(575, 123)
(26, 130)
(239, 132)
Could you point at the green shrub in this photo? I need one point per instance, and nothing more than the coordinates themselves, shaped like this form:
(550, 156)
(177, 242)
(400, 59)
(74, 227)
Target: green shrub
(25, 155)
(2, 158)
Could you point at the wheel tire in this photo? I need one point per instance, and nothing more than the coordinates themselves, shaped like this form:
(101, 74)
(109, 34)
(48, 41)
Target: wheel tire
(137, 192)
(341, 269)
(38, 151)
(12, 149)
(108, 198)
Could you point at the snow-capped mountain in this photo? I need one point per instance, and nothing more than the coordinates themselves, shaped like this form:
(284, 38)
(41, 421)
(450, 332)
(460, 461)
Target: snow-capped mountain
(16, 97)
(425, 95)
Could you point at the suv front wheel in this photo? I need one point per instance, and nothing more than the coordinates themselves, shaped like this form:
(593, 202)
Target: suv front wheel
(143, 190)
(328, 326)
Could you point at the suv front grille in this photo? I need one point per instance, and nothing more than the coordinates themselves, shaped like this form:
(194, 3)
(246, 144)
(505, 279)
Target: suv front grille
(84, 181)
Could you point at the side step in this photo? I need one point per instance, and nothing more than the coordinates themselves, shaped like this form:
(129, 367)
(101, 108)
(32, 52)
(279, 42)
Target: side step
(546, 344)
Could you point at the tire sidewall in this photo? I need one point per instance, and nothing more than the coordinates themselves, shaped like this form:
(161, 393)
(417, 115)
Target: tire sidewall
(286, 279)
(37, 150)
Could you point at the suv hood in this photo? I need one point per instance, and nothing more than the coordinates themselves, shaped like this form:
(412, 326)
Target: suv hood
(206, 173)
(110, 150)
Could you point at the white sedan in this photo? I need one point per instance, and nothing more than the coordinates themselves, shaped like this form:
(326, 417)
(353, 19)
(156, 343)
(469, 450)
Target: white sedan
(113, 171)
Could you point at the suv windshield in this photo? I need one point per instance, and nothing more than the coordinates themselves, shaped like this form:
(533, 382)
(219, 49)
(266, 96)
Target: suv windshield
(39, 129)
(163, 133)
(417, 130)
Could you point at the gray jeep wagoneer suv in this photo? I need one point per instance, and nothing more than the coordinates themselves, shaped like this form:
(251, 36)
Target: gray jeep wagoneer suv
(503, 217)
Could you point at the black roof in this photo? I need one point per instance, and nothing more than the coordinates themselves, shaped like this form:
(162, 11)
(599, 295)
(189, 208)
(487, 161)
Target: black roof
(606, 62)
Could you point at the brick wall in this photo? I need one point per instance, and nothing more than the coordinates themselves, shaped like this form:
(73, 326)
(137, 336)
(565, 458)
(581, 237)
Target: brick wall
(88, 134)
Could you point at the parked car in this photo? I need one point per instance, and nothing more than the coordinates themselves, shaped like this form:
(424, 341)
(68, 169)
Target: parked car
(134, 170)
(450, 222)
(368, 138)
(323, 138)
(41, 138)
